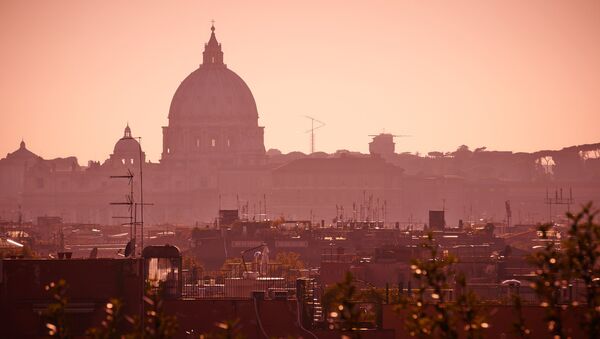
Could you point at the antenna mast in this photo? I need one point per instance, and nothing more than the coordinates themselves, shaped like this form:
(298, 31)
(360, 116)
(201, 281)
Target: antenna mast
(312, 131)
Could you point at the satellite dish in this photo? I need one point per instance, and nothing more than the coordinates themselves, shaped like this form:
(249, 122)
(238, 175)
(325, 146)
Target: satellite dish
(94, 253)
(129, 249)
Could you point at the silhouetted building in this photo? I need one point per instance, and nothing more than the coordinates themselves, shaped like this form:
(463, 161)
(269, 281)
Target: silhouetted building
(437, 220)
(383, 145)
(214, 158)
(213, 120)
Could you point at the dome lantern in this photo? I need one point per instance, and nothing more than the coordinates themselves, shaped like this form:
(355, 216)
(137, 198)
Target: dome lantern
(212, 55)
(127, 133)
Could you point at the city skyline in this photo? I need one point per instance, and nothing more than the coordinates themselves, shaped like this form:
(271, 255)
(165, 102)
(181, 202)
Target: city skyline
(402, 68)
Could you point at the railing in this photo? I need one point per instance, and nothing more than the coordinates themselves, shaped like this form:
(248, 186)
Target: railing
(237, 288)
(487, 293)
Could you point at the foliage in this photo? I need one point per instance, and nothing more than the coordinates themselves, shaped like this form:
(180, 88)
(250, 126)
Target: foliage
(54, 315)
(435, 154)
(548, 280)
(559, 264)
(110, 326)
(430, 312)
(233, 265)
(277, 222)
(28, 252)
(467, 304)
(190, 262)
(519, 326)
(433, 275)
(582, 256)
(289, 262)
(156, 323)
(342, 303)
(229, 329)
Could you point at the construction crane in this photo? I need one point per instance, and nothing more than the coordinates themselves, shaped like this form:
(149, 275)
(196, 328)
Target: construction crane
(312, 131)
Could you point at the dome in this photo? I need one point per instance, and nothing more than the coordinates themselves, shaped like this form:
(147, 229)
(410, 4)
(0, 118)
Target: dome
(127, 144)
(213, 93)
(213, 117)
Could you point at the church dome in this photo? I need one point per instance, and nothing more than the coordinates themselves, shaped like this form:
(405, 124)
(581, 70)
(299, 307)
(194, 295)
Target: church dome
(127, 144)
(213, 93)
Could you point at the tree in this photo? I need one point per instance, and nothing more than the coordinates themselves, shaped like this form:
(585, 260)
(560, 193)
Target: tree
(462, 152)
(430, 312)
(278, 221)
(156, 323)
(289, 262)
(432, 275)
(467, 304)
(56, 321)
(191, 262)
(110, 326)
(339, 301)
(560, 263)
(28, 252)
(229, 329)
(342, 304)
(582, 262)
(547, 280)
(519, 326)
(435, 154)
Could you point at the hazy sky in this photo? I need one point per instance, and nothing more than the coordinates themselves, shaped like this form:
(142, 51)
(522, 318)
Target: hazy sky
(507, 74)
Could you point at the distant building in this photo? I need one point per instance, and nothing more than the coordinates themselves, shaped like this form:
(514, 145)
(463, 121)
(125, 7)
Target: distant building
(383, 145)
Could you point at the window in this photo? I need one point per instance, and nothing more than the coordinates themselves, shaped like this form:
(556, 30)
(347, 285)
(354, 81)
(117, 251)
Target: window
(213, 142)
(123, 161)
(228, 143)
(131, 161)
(168, 151)
(197, 143)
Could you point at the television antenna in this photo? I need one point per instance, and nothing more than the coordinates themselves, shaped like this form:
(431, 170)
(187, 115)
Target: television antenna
(312, 131)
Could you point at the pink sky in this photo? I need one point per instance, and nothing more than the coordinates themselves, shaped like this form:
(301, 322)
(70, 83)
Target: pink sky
(507, 74)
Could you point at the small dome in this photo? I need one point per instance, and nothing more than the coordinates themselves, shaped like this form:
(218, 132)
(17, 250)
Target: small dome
(127, 144)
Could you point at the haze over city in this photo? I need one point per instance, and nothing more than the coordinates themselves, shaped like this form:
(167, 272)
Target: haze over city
(269, 169)
(509, 75)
